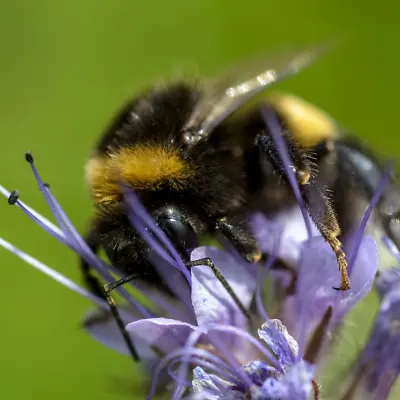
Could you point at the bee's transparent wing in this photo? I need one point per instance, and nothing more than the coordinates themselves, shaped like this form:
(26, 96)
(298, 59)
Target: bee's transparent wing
(228, 93)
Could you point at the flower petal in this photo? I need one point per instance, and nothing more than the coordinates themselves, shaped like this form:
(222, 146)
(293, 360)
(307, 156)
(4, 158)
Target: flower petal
(164, 334)
(259, 371)
(266, 231)
(210, 387)
(296, 383)
(275, 334)
(361, 278)
(294, 227)
(288, 227)
(100, 324)
(176, 282)
(211, 302)
(319, 275)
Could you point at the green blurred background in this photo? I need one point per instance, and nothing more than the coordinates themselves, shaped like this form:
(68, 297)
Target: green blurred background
(64, 70)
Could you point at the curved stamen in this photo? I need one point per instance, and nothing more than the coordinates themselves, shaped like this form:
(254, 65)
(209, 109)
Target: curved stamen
(164, 304)
(139, 211)
(43, 222)
(183, 370)
(230, 357)
(260, 282)
(91, 258)
(174, 284)
(274, 129)
(143, 230)
(219, 369)
(60, 278)
(302, 326)
(245, 335)
(54, 231)
(204, 354)
(392, 247)
(44, 189)
(73, 240)
(363, 224)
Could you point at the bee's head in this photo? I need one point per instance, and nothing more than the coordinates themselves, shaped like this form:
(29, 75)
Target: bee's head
(129, 250)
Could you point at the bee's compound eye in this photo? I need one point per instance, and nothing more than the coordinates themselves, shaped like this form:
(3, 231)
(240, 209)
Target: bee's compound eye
(180, 233)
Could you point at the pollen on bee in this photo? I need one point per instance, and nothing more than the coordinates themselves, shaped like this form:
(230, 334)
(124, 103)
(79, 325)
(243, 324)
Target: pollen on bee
(303, 177)
(143, 167)
(307, 123)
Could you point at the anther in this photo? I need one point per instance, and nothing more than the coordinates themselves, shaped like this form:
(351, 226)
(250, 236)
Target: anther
(255, 256)
(13, 197)
(29, 157)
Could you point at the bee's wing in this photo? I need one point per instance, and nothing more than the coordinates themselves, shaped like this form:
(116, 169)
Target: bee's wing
(229, 92)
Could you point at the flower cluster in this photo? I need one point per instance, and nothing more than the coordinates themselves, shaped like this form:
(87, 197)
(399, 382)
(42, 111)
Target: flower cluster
(197, 341)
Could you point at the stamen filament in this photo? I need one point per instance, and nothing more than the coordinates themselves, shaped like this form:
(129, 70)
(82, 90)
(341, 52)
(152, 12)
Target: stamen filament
(58, 277)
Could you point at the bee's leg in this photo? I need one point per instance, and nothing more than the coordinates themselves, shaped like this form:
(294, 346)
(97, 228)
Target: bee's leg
(321, 211)
(246, 245)
(243, 242)
(108, 288)
(103, 291)
(224, 282)
(315, 196)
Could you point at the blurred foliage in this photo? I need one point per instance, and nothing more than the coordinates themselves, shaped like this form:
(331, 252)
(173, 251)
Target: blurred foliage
(67, 66)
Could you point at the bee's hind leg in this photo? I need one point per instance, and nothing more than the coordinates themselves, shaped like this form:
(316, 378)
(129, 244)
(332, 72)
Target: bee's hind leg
(315, 196)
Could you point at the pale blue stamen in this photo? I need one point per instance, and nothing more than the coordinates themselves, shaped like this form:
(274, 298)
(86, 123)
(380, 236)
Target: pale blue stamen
(203, 354)
(275, 130)
(139, 211)
(53, 274)
(363, 224)
(263, 275)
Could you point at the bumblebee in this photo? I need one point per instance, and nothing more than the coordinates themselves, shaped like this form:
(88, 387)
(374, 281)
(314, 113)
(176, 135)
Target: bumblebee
(202, 158)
